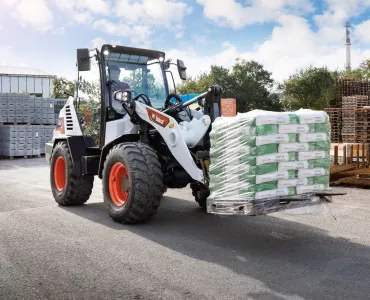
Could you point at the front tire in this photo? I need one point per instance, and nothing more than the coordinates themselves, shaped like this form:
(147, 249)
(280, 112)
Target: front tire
(67, 188)
(132, 183)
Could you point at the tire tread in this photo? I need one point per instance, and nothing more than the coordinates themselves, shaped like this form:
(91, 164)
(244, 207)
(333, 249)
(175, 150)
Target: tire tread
(79, 188)
(147, 183)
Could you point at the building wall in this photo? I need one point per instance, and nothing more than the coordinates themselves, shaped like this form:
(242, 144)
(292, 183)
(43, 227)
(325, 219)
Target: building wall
(34, 85)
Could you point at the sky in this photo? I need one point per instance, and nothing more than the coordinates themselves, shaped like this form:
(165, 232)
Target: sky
(282, 35)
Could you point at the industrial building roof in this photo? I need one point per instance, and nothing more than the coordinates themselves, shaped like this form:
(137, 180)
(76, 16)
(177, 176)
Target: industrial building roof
(9, 70)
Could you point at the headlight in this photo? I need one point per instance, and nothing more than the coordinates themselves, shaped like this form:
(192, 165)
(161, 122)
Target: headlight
(122, 96)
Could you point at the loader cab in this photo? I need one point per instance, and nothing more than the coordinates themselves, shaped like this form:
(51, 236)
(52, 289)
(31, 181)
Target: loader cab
(101, 72)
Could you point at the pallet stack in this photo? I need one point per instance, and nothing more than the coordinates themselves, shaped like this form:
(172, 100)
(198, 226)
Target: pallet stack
(350, 105)
(26, 124)
(335, 116)
(350, 87)
(353, 125)
(362, 125)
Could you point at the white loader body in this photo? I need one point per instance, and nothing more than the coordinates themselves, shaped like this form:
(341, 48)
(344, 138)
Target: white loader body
(179, 137)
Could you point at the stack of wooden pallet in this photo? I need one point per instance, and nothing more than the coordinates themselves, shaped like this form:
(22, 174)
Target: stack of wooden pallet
(349, 123)
(363, 125)
(335, 116)
(350, 105)
(350, 87)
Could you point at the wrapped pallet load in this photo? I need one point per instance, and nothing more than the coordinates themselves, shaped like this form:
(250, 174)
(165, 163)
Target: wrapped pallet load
(258, 156)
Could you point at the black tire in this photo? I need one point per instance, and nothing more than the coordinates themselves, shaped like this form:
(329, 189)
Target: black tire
(77, 189)
(201, 201)
(144, 182)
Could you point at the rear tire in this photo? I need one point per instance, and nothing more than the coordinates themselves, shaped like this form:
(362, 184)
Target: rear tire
(132, 183)
(67, 188)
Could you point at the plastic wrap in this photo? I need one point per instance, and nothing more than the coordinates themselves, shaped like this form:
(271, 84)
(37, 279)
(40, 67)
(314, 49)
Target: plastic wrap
(261, 158)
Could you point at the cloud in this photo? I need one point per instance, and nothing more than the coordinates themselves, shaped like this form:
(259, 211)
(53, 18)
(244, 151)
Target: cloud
(60, 30)
(133, 20)
(137, 34)
(292, 45)
(361, 32)
(83, 17)
(339, 11)
(98, 43)
(35, 13)
(98, 7)
(229, 13)
(178, 35)
(8, 57)
(84, 11)
(154, 12)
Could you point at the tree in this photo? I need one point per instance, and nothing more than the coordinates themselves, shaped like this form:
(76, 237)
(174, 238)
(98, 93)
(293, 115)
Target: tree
(312, 88)
(247, 81)
(362, 72)
(252, 86)
(195, 85)
(63, 88)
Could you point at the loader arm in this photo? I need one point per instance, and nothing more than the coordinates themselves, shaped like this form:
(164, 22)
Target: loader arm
(172, 134)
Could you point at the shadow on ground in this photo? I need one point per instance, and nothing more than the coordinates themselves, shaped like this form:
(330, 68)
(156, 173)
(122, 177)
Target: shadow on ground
(288, 257)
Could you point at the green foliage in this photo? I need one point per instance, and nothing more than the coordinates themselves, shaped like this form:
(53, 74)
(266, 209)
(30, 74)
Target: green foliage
(362, 72)
(247, 81)
(91, 90)
(63, 88)
(90, 113)
(312, 88)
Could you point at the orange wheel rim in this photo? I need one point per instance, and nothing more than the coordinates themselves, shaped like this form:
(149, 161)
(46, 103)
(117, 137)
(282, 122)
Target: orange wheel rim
(59, 173)
(118, 184)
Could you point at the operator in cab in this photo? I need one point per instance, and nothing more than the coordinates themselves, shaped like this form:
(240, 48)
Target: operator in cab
(117, 85)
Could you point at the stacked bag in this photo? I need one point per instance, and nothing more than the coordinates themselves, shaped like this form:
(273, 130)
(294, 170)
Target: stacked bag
(263, 155)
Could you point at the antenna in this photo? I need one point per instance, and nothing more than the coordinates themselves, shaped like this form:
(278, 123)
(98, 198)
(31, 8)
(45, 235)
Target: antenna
(348, 47)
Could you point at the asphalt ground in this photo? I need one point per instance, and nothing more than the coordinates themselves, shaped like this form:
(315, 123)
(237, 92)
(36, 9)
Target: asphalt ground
(51, 252)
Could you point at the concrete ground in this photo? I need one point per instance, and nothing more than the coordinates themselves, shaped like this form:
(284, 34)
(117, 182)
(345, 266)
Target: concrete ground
(50, 252)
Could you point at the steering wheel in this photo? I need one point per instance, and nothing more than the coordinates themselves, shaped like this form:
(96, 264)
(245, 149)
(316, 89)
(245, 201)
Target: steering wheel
(169, 97)
(145, 98)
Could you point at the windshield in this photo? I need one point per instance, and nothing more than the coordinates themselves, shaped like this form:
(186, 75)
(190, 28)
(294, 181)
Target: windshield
(140, 74)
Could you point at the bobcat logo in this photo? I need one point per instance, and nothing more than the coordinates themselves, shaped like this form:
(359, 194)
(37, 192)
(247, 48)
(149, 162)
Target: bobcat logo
(157, 118)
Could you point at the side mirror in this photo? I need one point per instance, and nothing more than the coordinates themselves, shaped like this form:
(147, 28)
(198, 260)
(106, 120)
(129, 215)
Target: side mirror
(83, 60)
(182, 69)
(122, 96)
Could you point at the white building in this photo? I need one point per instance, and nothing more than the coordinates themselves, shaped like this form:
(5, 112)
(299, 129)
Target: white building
(26, 80)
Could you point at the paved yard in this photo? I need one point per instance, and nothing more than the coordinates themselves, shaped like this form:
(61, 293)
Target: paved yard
(50, 252)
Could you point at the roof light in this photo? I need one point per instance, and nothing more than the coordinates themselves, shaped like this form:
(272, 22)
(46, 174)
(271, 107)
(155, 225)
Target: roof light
(106, 52)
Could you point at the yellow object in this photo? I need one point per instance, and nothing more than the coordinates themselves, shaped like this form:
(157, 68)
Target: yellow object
(206, 163)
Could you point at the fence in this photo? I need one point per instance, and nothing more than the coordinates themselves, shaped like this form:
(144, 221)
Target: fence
(350, 154)
(350, 165)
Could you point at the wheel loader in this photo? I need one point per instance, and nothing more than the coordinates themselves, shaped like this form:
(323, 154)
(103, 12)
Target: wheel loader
(144, 138)
(124, 126)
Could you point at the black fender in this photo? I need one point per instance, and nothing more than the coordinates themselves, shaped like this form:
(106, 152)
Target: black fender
(107, 147)
(78, 150)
